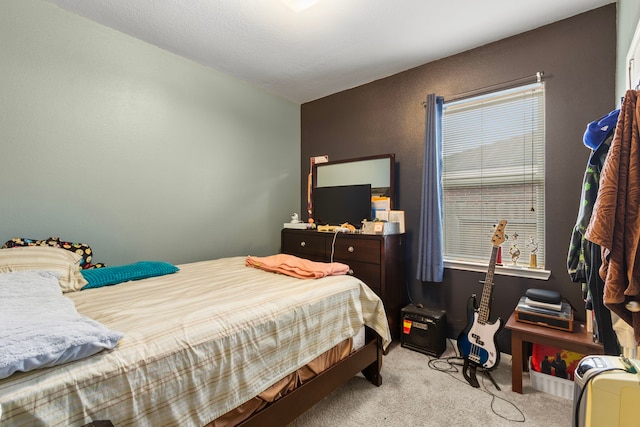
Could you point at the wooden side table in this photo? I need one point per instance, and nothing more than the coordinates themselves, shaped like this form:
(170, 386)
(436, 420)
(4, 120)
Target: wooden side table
(579, 341)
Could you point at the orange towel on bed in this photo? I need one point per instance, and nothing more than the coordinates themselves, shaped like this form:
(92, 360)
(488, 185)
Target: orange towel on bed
(297, 267)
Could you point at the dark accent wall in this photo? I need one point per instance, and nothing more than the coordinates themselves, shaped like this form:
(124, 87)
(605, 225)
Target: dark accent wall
(577, 56)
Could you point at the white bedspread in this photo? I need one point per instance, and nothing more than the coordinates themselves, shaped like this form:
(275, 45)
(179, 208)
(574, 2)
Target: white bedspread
(196, 344)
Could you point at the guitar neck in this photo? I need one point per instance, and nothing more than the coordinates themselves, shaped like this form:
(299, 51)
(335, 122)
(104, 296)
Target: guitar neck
(487, 290)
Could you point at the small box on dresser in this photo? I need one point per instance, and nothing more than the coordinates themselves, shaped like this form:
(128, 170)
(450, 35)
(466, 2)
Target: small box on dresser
(377, 260)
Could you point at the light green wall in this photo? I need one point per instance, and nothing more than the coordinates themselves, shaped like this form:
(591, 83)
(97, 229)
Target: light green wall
(142, 154)
(628, 17)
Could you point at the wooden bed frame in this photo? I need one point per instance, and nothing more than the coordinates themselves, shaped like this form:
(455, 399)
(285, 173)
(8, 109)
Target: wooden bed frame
(283, 411)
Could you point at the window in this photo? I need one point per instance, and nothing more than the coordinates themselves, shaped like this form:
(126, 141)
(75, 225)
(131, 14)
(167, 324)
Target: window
(493, 169)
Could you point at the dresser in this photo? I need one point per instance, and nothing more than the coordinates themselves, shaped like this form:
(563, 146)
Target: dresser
(379, 261)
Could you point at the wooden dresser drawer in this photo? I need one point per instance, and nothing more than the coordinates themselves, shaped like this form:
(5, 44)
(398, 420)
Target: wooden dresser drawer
(305, 245)
(368, 273)
(357, 249)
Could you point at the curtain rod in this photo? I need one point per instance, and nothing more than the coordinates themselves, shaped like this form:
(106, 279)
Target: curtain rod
(536, 78)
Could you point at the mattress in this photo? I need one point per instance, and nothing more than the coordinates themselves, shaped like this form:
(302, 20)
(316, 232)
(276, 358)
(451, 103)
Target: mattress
(196, 344)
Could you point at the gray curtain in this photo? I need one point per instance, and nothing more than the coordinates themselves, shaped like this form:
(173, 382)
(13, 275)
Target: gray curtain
(430, 263)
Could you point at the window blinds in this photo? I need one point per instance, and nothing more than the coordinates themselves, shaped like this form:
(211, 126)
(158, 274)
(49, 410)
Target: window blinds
(493, 169)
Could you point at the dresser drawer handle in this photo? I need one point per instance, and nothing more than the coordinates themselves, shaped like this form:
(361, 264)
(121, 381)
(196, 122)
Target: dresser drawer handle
(351, 249)
(303, 244)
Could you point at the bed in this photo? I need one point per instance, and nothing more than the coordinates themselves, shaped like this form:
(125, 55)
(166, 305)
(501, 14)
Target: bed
(200, 343)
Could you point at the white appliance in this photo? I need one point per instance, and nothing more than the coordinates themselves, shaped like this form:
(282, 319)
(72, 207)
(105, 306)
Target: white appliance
(606, 392)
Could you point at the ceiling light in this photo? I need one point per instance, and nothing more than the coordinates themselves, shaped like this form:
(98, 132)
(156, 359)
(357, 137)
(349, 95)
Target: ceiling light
(299, 5)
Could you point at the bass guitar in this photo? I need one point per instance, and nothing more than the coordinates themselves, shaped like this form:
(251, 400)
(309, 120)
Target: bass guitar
(478, 341)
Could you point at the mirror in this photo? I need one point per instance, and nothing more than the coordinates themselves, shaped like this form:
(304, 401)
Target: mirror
(375, 170)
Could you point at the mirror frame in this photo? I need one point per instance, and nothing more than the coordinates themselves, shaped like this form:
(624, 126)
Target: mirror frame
(389, 156)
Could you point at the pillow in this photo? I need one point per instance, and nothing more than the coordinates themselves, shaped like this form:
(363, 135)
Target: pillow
(66, 264)
(81, 249)
(123, 273)
(40, 327)
(22, 241)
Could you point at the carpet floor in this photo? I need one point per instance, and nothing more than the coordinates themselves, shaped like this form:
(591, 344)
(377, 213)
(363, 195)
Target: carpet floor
(420, 390)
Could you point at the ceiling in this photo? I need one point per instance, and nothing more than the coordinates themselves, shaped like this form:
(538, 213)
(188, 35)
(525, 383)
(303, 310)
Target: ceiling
(332, 46)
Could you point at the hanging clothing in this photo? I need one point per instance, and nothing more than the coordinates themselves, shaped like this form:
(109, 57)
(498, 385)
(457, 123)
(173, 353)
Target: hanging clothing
(599, 131)
(583, 260)
(597, 137)
(578, 262)
(615, 222)
(603, 323)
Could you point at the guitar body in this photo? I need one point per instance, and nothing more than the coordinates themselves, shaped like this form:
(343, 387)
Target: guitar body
(478, 343)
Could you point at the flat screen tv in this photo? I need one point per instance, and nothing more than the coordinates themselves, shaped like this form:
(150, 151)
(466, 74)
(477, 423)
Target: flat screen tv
(340, 204)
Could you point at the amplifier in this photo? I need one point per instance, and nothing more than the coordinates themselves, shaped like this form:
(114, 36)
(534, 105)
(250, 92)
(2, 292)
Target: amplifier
(424, 330)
